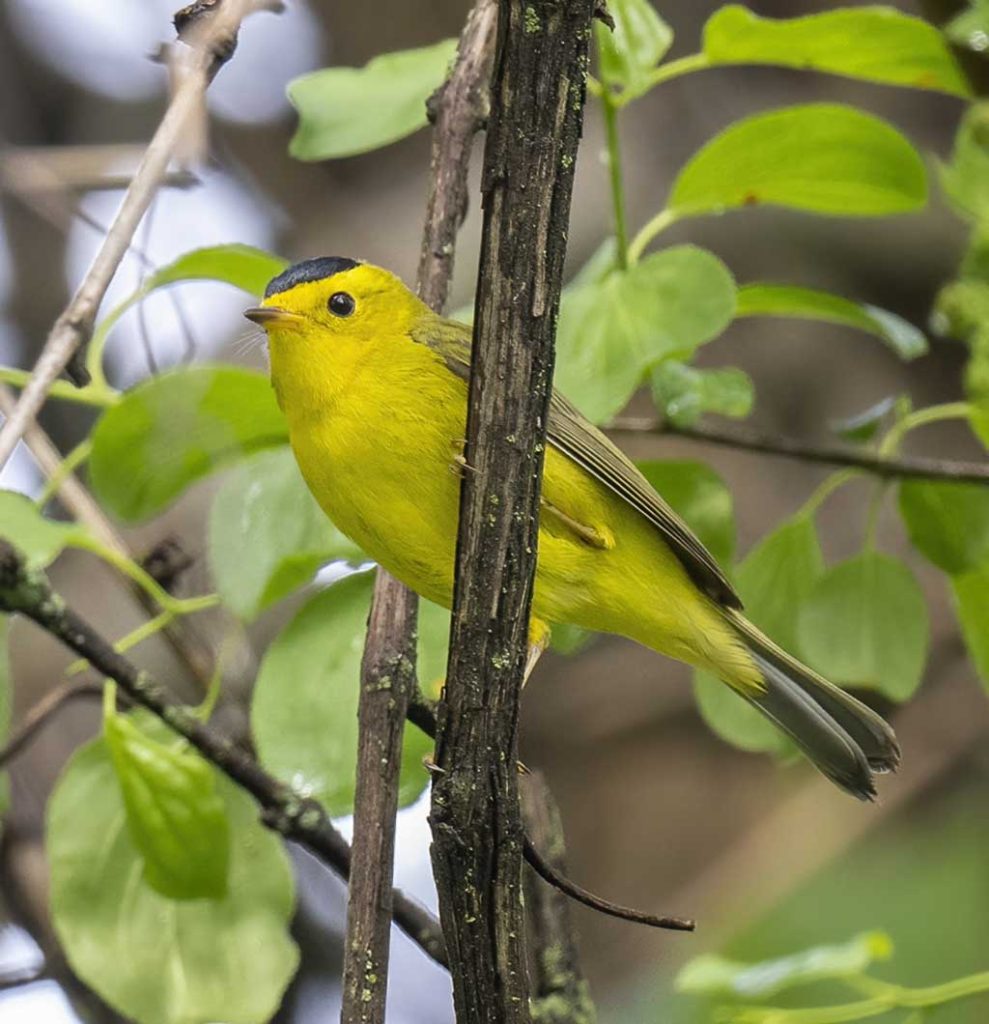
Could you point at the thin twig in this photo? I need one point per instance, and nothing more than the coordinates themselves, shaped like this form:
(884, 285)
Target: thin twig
(300, 819)
(74, 326)
(388, 671)
(39, 715)
(747, 439)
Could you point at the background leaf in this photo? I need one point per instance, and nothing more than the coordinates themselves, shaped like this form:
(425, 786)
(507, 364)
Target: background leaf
(683, 393)
(700, 496)
(638, 43)
(864, 426)
(877, 44)
(171, 430)
(241, 266)
(345, 111)
(40, 540)
(971, 594)
(822, 158)
(865, 624)
(773, 580)
(717, 975)
(304, 709)
(175, 817)
(810, 304)
(156, 960)
(612, 332)
(947, 522)
(965, 179)
(267, 535)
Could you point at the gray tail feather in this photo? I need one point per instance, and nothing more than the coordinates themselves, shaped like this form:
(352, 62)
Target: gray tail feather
(845, 740)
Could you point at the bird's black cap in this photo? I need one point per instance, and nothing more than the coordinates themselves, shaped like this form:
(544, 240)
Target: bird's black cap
(308, 270)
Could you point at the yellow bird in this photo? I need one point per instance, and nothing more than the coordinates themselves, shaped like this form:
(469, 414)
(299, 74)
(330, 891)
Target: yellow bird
(373, 385)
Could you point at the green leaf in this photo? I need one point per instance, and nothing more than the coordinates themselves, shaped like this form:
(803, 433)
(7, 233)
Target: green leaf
(965, 179)
(683, 393)
(947, 522)
(176, 428)
(711, 974)
(864, 426)
(877, 44)
(971, 28)
(39, 540)
(345, 111)
(611, 333)
(699, 495)
(865, 624)
(157, 960)
(176, 819)
(772, 580)
(971, 594)
(267, 535)
(810, 304)
(821, 158)
(638, 43)
(304, 709)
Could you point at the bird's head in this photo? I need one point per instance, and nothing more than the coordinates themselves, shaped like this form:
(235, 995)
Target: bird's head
(326, 316)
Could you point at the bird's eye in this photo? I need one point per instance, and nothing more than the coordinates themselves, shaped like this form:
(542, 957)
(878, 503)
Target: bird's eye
(341, 304)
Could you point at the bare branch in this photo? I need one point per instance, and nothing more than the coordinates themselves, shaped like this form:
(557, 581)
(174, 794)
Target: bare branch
(388, 671)
(746, 439)
(537, 95)
(300, 819)
(209, 49)
(39, 715)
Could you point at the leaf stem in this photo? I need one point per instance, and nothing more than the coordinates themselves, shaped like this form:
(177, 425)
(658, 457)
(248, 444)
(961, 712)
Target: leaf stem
(921, 418)
(825, 489)
(102, 396)
(68, 465)
(674, 69)
(610, 106)
(659, 223)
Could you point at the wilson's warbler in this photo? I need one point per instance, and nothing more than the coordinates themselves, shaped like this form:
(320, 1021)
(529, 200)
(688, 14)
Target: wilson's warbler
(373, 385)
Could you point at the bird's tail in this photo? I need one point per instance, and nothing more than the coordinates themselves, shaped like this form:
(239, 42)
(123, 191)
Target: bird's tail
(844, 739)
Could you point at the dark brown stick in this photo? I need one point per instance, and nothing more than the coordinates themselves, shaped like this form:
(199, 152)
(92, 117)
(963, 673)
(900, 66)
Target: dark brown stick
(747, 439)
(39, 715)
(537, 100)
(302, 820)
(388, 671)
(559, 990)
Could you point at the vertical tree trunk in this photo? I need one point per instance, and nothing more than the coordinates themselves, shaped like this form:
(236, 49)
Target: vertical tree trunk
(536, 109)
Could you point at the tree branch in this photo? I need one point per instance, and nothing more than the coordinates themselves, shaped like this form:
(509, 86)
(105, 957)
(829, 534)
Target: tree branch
(38, 716)
(303, 820)
(537, 99)
(747, 439)
(212, 37)
(559, 990)
(388, 670)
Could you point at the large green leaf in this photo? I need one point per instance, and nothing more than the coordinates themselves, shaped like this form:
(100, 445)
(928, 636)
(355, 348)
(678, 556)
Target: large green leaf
(947, 522)
(169, 431)
(267, 535)
(700, 496)
(157, 960)
(822, 158)
(636, 45)
(865, 624)
(175, 816)
(684, 393)
(878, 44)
(810, 304)
(716, 975)
(773, 580)
(39, 540)
(971, 594)
(345, 111)
(304, 710)
(613, 331)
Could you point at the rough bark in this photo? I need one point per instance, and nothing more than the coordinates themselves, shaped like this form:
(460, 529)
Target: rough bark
(537, 102)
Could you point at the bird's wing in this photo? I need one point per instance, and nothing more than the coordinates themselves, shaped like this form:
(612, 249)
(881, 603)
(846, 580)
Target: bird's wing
(576, 437)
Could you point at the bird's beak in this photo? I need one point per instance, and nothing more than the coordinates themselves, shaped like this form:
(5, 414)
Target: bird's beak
(265, 315)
